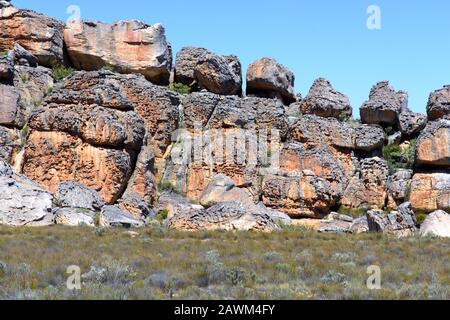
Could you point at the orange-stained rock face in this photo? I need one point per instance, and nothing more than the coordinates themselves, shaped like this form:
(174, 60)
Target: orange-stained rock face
(40, 35)
(126, 46)
(433, 145)
(430, 192)
(302, 196)
(53, 157)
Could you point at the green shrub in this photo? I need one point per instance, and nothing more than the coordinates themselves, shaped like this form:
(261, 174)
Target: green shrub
(61, 72)
(3, 53)
(180, 88)
(162, 215)
(398, 158)
(420, 218)
(344, 117)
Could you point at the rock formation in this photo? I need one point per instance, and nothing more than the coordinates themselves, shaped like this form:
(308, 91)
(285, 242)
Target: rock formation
(114, 144)
(267, 78)
(322, 100)
(200, 69)
(40, 35)
(125, 47)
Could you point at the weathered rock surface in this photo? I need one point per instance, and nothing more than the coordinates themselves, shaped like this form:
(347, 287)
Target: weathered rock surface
(113, 217)
(411, 124)
(384, 105)
(94, 117)
(369, 185)
(7, 68)
(23, 57)
(75, 195)
(23, 202)
(433, 144)
(437, 224)
(399, 185)
(267, 78)
(401, 223)
(9, 103)
(322, 100)
(40, 35)
(227, 216)
(11, 141)
(439, 103)
(126, 46)
(134, 204)
(430, 191)
(74, 217)
(220, 135)
(200, 69)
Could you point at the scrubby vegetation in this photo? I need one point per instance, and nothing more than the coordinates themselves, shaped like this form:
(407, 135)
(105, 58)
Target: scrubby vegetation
(400, 158)
(61, 72)
(3, 53)
(180, 88)
(160, 264)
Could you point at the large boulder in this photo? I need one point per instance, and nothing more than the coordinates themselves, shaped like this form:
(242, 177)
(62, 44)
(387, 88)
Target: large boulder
(23, 57)
(200, 69)
(411, 124)
(267, 78)
(437, 224)
(384, 105)
(433, 144)
(40, 35)
(399, 185)
(10, 105)
(70, 194)
(369, 184)
(103, 120)
(74, 217)
(401, 223)
(23, 202)
(322, 100)
(430, 191)
(125, 46)
(228, 216)
(439, 103)
(113, 217)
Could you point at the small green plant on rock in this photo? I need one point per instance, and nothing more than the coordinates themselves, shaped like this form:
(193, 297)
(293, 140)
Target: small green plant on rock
(180, 88)
(61, 72)
(3, 53)
(398, 158)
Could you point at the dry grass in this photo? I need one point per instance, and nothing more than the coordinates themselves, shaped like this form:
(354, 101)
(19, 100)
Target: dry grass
(160, 264)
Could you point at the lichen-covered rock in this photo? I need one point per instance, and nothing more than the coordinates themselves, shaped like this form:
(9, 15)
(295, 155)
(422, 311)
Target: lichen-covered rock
(199, 69)
(113, 217)
(134, 204)
(399, 185)
(11, 141)
(74, 217)
(23, 202)
(49, 160)
(126, 46)
(7, 68)
(430, 191)
(322, 100)
(433, 144)
(369, 184)
(9, 103)
(439, 104)
(70, 194)
(267, 78)
(229, 216)
(23, 57)
(220, 135)
(315, 130)
(411, 124)
(437, 224)
(303, 196)
(40, 35)
(401, 223)
(384, 105)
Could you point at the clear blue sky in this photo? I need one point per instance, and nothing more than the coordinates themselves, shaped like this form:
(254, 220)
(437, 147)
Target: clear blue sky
(313, 38)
